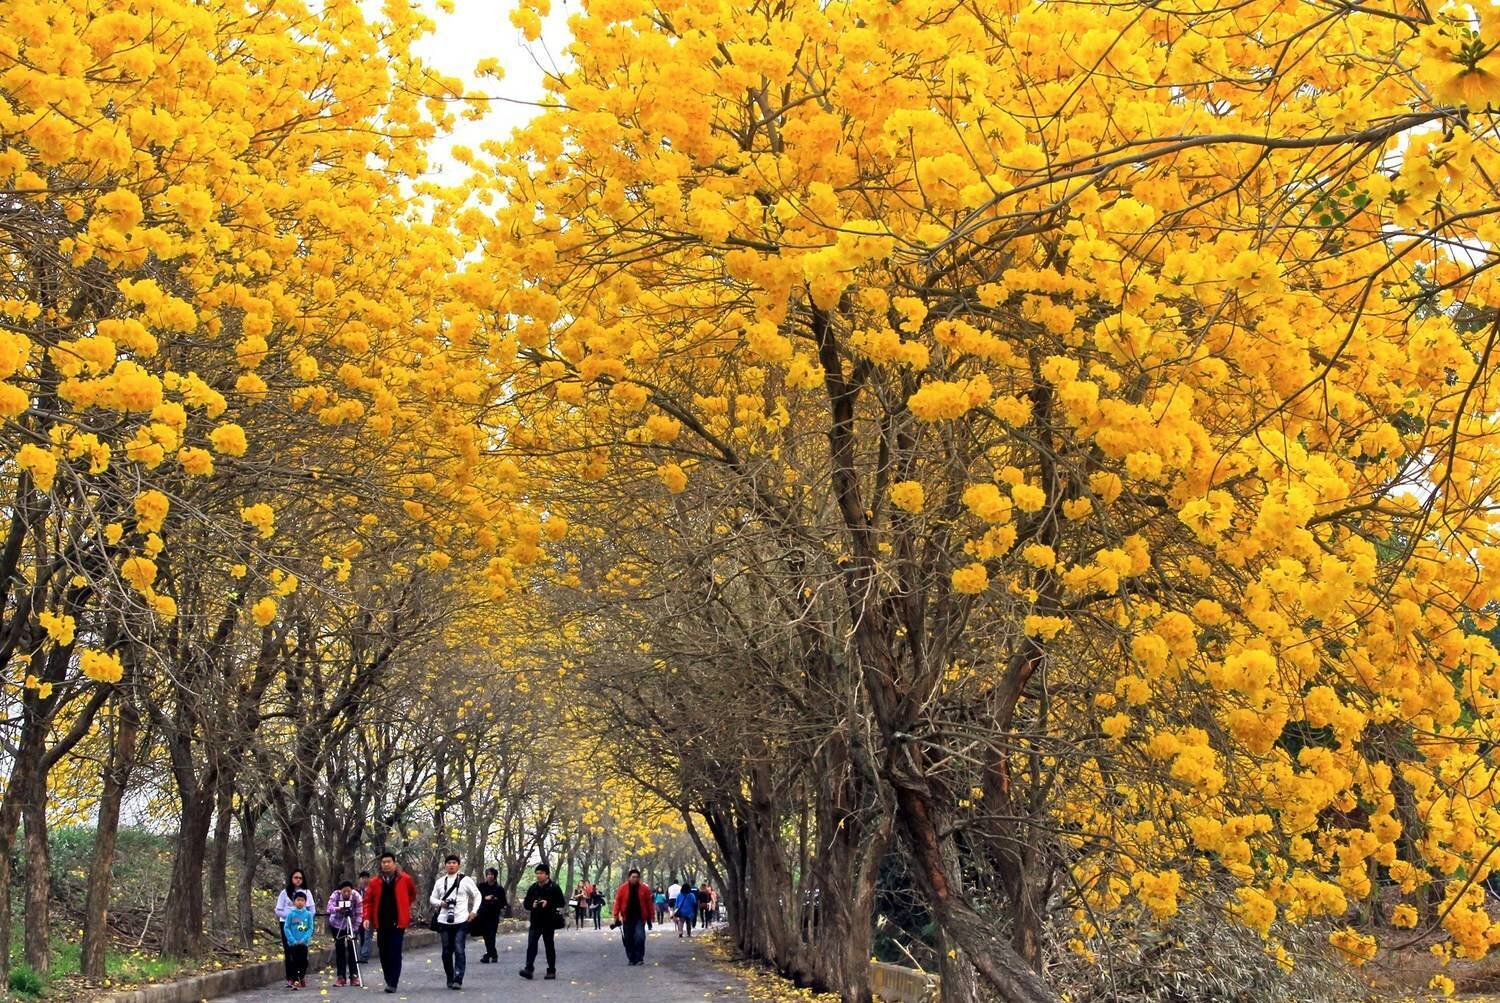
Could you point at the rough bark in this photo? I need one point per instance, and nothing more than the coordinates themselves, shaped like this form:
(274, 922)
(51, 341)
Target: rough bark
(249, 859)
(1006, 971)
(183, 935)
(38, 878)
(218, 863)
(122, 758)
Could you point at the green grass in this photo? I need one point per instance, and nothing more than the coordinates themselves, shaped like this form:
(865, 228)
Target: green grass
(25, 982)
(120, 967)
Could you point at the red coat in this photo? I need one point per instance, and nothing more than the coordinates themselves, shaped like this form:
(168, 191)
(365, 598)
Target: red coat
(405, 890)
(643, 892)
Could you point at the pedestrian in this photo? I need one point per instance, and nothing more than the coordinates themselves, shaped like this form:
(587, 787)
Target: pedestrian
(661, 906)
(543, 901)
(285, 902)
(388, 914)
(364, 935)
(346, 914)
(632, 911)
(455, 904)
(491, 905)
(297, 929)
(713, 904)
(580, 906)
(705, 897)
(687, 909)
(596, 904)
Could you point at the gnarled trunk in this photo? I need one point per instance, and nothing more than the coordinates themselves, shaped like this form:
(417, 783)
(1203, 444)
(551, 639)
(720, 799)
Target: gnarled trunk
(117, 771)
(218, 863)
(183, 936)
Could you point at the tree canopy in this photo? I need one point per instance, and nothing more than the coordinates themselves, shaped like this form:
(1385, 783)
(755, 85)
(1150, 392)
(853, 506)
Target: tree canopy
(1049, 446)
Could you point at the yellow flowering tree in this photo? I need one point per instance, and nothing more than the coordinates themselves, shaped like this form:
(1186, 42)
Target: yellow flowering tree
(1141, 403)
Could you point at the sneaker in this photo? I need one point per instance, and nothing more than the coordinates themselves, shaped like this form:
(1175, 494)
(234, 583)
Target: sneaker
(550, 974)
(526, 973)
(341, 983)
(389, 988)
(356, 983)
(456, 986)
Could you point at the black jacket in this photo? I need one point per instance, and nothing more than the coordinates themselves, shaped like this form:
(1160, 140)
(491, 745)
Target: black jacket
(490, 909)
(543, 901)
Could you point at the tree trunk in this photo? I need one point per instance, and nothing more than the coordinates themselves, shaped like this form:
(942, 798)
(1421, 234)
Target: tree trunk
(851, 839)
(218, 863)
(997, 961)
(249, 859)
(183, 937)
(38, 878)
(92, 955)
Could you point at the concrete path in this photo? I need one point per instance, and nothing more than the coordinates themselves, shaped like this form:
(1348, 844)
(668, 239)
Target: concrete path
(590, 965)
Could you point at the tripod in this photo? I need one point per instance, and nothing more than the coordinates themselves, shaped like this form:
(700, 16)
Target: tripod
(351, 945)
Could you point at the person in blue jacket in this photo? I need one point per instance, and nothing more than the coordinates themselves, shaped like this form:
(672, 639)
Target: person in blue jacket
(687, 909)
(299, 931)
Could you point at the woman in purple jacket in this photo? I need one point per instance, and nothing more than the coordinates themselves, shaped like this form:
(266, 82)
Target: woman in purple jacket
(346, 915)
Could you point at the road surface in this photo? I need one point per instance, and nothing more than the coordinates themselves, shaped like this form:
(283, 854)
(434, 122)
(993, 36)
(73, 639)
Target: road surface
(590, 965)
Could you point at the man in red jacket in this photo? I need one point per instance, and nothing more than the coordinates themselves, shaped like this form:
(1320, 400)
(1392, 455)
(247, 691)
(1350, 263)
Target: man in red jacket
(388, 913)
(633, 911)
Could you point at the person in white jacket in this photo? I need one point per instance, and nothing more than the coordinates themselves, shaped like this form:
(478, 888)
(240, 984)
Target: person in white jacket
(455, 903)
(295, 882)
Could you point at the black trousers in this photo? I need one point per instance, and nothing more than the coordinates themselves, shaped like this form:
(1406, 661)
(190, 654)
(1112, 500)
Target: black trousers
(544, 934)
(296, 962)
(486, 927)
(389, 939)
(345, 953)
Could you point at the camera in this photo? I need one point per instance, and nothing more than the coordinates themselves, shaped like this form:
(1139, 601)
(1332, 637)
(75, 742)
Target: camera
(615, 925)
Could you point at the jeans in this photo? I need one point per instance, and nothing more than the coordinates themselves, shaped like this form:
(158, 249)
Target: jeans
(634, 935)
(296, 962)
(389, 940)
(545, 935)
(454, 938)
(364, 946)
(594, 911)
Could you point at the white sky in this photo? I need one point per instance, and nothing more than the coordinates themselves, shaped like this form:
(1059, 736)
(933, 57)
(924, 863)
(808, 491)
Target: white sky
(480, 29)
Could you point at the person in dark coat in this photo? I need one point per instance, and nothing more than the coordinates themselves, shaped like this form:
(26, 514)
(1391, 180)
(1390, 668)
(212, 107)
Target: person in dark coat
(491, 906)
(544, 900)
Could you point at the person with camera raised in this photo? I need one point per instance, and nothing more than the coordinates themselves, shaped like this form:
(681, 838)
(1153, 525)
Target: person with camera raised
(346, 918)
(455, 903)
(544, 901)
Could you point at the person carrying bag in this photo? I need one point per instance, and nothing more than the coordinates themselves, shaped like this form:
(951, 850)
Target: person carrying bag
(455, 904)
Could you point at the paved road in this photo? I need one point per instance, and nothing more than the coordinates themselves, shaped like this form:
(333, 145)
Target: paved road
(590, 965)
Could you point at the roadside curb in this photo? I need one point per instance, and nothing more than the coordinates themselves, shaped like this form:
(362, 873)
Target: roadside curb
(263, 973)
